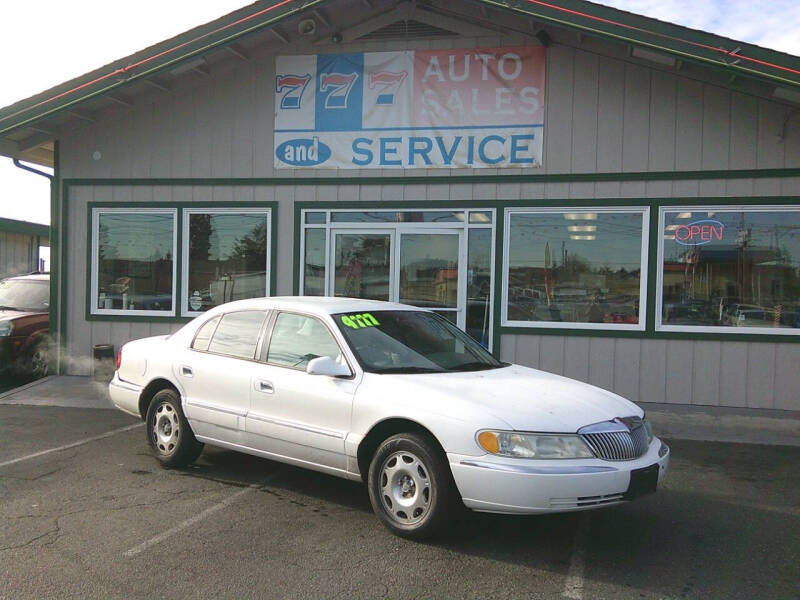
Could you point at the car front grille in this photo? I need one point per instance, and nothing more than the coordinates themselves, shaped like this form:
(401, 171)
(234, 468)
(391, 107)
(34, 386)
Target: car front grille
(620, 439)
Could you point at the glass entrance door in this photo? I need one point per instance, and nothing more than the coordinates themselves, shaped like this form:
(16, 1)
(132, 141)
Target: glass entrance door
(412, 265)
(429, 273)
(362, 264)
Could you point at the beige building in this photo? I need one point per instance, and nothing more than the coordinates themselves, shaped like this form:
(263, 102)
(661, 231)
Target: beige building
(520, 167)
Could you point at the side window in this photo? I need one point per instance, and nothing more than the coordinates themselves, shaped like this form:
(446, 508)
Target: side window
(203, 335)
(237, 334)
(297, 339)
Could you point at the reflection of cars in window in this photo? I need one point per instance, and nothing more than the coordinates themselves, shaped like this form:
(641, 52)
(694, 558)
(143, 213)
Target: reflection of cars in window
(24, 324)
(393, 395)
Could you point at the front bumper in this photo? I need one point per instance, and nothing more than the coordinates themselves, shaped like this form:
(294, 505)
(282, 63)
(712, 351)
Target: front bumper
(517, 486)
(125, 395)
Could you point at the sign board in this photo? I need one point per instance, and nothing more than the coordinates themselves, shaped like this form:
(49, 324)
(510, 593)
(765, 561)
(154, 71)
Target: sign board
(427, 109)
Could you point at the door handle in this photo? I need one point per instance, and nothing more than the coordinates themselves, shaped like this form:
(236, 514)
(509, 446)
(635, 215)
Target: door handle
(187, 371)
(264, 386)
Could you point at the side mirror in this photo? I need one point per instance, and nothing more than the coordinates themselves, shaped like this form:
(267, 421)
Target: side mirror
(325, 365)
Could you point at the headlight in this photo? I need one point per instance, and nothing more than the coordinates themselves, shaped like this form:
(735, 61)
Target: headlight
(6, 328)
(533, 445)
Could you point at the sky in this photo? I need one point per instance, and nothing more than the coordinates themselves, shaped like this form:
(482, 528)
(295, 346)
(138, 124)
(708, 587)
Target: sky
(52, 41)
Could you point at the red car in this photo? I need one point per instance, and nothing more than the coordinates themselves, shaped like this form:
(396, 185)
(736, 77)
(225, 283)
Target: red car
(25, 324)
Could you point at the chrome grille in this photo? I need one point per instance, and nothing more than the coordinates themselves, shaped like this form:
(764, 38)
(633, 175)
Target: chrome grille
(620, 439)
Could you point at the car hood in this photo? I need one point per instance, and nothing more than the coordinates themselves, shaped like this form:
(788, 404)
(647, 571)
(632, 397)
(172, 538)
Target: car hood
(526, 399)
(8, 314)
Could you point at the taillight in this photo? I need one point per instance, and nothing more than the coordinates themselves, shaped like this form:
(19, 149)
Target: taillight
(119, 358)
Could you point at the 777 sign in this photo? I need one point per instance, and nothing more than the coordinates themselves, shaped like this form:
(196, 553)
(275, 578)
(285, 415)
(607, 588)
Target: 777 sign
(292, 87)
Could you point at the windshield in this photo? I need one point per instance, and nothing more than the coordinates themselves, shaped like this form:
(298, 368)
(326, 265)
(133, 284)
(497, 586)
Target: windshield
(24, 294)
(404, 341)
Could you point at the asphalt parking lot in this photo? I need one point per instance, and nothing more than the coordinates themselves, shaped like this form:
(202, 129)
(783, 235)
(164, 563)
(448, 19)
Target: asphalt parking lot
(98, 517)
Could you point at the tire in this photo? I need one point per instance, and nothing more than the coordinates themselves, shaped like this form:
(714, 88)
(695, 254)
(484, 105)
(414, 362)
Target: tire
(411, 487)
(39, 360)
(168, 431)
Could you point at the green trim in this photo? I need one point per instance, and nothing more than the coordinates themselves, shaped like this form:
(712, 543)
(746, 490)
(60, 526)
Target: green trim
(178, 207)
(26, 227)
(652, 268)
(655, 335)
(62, 280)
(497, 305)
(55, 269)
(446, 179)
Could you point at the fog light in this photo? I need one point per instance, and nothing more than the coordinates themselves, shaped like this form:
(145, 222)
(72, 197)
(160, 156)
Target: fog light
(662, 452)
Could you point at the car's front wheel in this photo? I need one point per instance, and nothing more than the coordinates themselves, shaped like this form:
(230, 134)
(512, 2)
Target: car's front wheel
(168, 431)
(410, 486)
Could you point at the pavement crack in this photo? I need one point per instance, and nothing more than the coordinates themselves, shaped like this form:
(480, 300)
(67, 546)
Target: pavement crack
(55, 531)
(17, 478)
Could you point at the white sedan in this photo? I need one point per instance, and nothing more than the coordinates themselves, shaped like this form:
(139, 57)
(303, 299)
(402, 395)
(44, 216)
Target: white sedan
(392, 395)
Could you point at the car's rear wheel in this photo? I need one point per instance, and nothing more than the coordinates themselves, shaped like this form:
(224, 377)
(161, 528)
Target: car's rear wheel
(410, 486)
(168, 431)
(40, 360)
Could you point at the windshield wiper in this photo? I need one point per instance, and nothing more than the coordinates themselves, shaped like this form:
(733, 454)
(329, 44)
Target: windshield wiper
(406, 370)
(475, 366)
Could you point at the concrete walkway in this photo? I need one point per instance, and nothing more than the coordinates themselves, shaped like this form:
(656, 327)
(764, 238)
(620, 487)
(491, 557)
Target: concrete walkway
(671, 421)
(67, 391)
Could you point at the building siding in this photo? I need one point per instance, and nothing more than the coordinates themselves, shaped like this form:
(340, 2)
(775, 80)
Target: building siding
(19, 253)
(604, 114)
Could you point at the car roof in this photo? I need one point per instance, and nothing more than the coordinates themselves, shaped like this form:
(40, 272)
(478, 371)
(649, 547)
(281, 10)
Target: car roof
(321, 305)
(31, 277)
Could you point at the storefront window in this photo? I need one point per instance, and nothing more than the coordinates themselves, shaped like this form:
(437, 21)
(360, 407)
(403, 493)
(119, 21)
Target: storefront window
(133, 260)
(736, 269)
(576, 268)
(227, 257)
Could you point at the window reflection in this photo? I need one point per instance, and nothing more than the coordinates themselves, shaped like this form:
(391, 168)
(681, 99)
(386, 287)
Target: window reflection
(362, 265)
(237, 334)
(227, 258)
(576, 267)
(134, 261)
(732, 268)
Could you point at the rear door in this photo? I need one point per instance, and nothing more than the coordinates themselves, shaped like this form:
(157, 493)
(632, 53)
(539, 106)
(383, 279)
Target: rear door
(216, 373)
(294, 414)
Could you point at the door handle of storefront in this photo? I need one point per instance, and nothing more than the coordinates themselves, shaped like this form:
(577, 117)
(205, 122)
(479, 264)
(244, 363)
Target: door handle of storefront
(264, 386)
(187, 371)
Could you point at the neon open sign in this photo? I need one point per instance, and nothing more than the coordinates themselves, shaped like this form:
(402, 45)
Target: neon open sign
(699, 233)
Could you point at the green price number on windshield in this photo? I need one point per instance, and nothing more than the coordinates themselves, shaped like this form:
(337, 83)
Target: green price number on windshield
(359, 321)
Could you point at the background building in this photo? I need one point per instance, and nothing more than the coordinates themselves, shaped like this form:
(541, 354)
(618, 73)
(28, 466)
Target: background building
(20, 242)
(584, 190)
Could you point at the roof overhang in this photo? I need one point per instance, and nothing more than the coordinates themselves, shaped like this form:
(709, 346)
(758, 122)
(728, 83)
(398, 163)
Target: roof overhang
(28, 128)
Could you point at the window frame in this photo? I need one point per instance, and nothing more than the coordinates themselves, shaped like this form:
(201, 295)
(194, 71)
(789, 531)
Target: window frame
(96, 212)
(641, 326)
(185, 310)
(659, 285)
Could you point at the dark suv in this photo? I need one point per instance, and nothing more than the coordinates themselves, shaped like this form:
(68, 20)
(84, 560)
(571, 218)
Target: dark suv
(24, 325)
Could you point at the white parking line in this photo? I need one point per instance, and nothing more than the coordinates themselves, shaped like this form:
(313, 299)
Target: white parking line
(196, 518)
(573, 586)
(72, 445)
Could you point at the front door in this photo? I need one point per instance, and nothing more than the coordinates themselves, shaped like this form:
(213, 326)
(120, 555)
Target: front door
(429, 272)
(413, 265)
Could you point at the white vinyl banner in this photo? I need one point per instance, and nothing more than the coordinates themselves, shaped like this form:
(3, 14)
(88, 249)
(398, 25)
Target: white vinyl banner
(465, 108)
